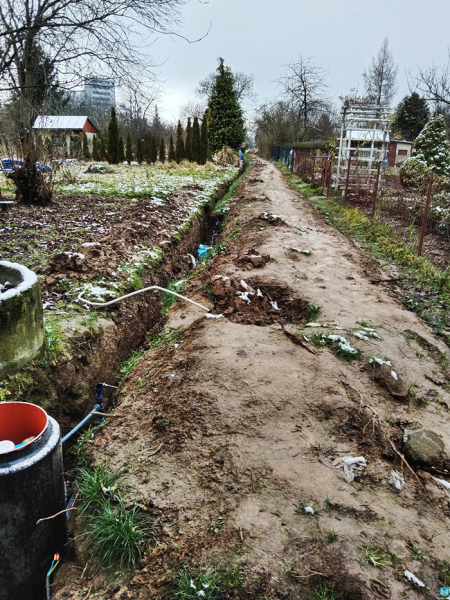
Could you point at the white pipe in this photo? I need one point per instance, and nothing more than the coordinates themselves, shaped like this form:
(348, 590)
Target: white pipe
(153, 287)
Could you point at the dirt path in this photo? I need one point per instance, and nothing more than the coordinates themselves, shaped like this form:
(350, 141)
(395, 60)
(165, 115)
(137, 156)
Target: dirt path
(250, 422)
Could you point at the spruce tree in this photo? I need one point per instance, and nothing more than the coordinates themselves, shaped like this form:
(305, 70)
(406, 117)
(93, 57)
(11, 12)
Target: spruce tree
(411, 116)
(139, 153)
(196, 141)
(129, 149)
(146, 149)
(225, 121)
(432, 146)
(103, 151)
(179, 145)
(86, 151)
(204, 142)
(162, 151)
(120, 151)
(188, 143)
(113, 138)
(95, 150)
(171, 149)
(153, 150)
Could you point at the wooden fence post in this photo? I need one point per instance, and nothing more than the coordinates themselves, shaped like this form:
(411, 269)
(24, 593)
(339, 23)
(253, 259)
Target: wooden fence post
(425, 212)
(347, 179)
(375, 190)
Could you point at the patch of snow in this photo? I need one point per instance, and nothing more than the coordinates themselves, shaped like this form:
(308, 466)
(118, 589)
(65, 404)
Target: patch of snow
(397, 480)
(28, 280)
(244, 285)
(258, 293)
(316, 325)
(211, 316)
(444, 483)
(274, 304)
(307, 252)
(411, 577)
(88, 244)
(379, 361)
(309, 510)
(394, 375)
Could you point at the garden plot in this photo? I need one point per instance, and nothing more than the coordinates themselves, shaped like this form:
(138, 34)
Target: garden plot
(105, 228)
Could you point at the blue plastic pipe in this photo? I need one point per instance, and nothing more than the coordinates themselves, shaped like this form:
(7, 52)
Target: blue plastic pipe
(75, 429)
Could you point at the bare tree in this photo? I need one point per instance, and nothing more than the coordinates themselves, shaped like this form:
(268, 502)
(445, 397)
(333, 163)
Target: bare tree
(434, 83)
(380, 80)
(277, 122)
(134, 109)
(243, 84)
(192, 108)
(305, 89)
(79, 38)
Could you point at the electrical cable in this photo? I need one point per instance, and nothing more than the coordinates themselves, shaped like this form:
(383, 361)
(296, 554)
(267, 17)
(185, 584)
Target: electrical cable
(55, 563)
(153, 287)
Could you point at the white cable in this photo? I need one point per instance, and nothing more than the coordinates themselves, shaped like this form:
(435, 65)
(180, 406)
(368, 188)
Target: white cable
(153, 287)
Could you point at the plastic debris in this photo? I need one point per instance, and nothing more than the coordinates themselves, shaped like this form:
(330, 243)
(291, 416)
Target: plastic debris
(350, 464)
(411, 577)
(211, 316)
(397, 480)
(444, 483)
(202, 250)
(6, 446)
(308, 510)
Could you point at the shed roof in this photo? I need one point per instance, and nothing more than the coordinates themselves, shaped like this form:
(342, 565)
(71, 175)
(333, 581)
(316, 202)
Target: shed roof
(61, 122)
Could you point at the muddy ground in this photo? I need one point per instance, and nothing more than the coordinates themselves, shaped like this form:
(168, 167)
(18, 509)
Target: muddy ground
(99, 240)
(251, 416)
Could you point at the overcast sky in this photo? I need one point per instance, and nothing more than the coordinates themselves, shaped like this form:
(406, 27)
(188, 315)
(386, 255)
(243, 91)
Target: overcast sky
(260, 36)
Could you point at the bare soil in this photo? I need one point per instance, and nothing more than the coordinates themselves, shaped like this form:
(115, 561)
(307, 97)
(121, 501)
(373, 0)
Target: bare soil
(250, 421)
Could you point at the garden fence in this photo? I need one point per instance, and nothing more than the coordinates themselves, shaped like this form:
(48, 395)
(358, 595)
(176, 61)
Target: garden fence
(412, 209)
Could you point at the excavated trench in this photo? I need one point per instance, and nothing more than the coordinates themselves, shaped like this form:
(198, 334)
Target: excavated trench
(65, 387)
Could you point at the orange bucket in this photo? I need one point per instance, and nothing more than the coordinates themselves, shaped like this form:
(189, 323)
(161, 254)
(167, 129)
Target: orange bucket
(20, 421)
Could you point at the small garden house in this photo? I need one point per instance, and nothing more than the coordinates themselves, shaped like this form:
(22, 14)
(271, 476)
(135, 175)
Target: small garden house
(65, 132)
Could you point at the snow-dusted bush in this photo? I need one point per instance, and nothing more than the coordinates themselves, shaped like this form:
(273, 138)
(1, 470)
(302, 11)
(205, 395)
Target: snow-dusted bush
(432, 146)
(412, 173)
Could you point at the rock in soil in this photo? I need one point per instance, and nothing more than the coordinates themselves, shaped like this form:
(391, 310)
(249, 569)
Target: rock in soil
(423, 446)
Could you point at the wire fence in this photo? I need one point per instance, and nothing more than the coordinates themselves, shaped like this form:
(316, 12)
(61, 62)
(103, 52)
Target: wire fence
(417, 210)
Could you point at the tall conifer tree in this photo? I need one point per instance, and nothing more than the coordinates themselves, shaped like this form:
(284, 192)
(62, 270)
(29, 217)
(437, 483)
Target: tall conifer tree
(103, 150)
(120, 151)
(95, 150)
(162, 151)
(146, 149)
(113, 138)
(225, 120)
(139, 153)
(129, 149)
(86, 151)
(196, 141)
(179, 145)
(204, 141)
(153, 150)
(188, 142)
(171, 149)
